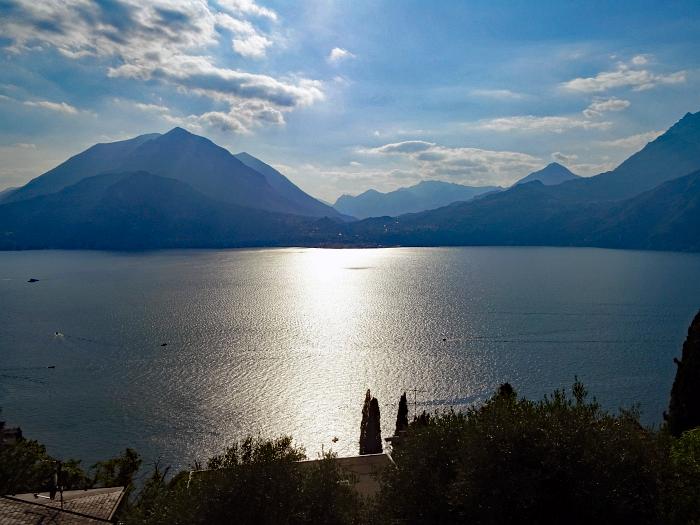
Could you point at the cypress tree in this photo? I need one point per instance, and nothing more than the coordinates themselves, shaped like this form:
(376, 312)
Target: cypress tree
(374, 429)
(363, 423)
(684, 409)
(402, 416)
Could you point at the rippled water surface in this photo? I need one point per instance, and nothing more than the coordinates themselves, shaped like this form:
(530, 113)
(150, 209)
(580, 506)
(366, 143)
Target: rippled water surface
(287, 340)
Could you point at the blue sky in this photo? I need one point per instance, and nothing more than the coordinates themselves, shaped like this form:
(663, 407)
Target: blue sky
(344, 96)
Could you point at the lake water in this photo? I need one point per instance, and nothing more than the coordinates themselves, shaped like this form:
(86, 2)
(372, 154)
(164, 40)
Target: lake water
(287, 340)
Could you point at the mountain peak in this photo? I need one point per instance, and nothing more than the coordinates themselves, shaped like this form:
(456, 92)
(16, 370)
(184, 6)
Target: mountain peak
(689, 124)
(178, 131)
(553, 173)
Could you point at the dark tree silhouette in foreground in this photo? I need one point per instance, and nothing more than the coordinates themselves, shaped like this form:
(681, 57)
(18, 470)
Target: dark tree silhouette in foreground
(370, 427)
(684, 409)
(402, 415)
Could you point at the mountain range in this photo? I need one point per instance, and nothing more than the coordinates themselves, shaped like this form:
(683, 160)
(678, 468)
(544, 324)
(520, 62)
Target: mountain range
(189, 158)
(425, 195)
(181, 190)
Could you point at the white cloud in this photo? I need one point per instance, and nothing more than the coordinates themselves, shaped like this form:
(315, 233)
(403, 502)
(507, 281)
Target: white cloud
(499, 94)
(248, 7)
(60, 107)
(253, 46)
(152, 108)
(171, 42)
(625, 75)
(339, 54)
(558, 156)
(634, 142)
(531, 123)
(466, 165)
(600, 106)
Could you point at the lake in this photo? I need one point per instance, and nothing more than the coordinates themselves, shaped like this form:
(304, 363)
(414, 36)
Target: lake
(286, 341)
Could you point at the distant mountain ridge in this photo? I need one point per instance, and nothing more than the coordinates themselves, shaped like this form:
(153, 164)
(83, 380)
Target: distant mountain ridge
(197, 199)
(425, 195)
(194, 160)
(551, 175)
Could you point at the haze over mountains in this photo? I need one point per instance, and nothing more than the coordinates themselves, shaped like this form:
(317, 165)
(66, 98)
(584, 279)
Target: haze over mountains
(181, 190)
(425, 195)
(194, 160)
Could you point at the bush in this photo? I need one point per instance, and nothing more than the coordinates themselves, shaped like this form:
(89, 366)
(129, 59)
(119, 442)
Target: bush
(560, 460)
(254, 481)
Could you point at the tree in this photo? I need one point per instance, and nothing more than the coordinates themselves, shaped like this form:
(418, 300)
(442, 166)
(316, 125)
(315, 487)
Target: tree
(119, 471)
(510, 460)
(370, 426)
(402, 415)
(684, 408)
(364, 421)
(373, 445)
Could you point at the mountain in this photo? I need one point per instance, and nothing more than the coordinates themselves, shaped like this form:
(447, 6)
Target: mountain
(138, 210)
(96, 159)
(283, 186)
(673, 154)
(550, 175)
(183, 156)
(664, 218)
(425, 195)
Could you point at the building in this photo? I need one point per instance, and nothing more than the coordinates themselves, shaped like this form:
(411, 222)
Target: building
(79, 507)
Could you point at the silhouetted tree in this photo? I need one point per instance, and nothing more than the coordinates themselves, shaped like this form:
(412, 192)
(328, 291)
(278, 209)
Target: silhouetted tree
(373, 445)
(370, 426)
(506, 391)
(684, 409)
(363, 423)
(402, 415)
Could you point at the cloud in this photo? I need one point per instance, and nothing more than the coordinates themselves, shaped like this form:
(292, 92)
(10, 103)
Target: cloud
(634, 142)
(248, 7)
(600, 106)
(466, 165)
(152, 108)
(253, 46)
(531, 123)
(558, 156)
(339, 54)
(172, 42)
(407, 146)
(625, 75)
(60, 107)
(499, 94)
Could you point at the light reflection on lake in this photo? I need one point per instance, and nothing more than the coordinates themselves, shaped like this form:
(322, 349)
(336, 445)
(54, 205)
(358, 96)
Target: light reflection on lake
(287, 341)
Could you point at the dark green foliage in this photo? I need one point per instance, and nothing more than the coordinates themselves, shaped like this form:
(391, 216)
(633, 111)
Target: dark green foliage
(683, 488)
(370, 426)
(684, 409)
(119, 471)
(254, 481)
(402, 415)
(560, 460)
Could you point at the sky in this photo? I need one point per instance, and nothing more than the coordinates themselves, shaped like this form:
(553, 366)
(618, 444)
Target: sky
(343, 96)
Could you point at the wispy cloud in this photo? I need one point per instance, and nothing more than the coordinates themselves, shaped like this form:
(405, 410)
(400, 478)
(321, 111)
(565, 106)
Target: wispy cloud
(60, 107)
(633, 142)
(498, 94)
(626, 74)
(466, 165)
(550, 124)
(600, 106)
(338, 54)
